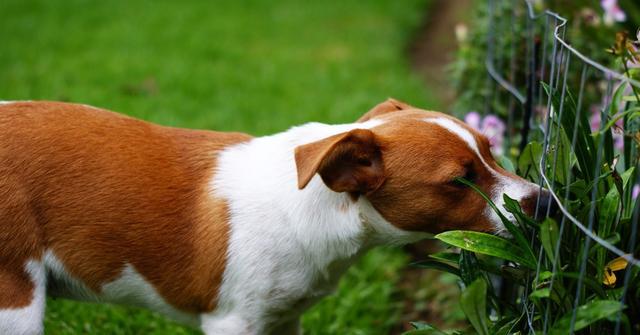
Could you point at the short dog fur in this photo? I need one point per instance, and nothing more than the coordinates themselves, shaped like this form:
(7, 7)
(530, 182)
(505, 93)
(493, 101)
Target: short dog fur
(223, 231)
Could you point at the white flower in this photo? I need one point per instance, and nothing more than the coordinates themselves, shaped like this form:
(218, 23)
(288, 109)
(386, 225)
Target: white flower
(461, 31)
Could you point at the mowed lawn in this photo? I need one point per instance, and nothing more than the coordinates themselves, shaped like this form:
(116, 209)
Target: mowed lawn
(254, 66)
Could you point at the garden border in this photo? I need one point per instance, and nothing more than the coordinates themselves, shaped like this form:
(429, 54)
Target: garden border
(559, 60)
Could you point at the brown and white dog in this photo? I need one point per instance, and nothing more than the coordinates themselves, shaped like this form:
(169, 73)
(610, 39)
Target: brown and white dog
(223, 231)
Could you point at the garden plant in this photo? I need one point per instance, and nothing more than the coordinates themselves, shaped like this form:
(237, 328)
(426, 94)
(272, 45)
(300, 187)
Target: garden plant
(573, 127)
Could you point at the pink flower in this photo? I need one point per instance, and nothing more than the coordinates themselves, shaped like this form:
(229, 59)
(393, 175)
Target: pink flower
(635, 192)
(491, 126)
(612, 12)
(594, 119)
(473, 120)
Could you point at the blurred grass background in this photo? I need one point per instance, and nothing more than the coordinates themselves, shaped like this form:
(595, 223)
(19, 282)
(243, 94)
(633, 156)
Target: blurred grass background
(255, 66)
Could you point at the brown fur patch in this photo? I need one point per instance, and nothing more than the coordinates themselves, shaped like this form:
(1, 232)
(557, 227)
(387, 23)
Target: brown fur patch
(390, 105)
(421, 160)
(16, 287)
(20, 237)
(103, 190)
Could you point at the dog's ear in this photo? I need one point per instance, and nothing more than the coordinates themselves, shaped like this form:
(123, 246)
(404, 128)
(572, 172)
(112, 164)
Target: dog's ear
(388, 106)
(347, 162)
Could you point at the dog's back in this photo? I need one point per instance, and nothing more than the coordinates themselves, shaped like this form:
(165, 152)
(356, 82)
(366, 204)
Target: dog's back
(90, 195)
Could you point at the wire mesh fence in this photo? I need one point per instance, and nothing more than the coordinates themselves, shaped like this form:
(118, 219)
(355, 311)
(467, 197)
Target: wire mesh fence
(578, 120)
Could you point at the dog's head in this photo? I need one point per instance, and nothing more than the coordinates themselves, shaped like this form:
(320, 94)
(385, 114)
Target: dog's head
(406, 161)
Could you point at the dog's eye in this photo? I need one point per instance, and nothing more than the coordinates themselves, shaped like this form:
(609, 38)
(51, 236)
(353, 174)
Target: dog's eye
(363, 161)
(469, 176)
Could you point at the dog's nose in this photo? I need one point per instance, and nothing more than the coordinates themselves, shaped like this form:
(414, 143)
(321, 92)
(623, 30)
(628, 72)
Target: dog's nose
(539, 206)
(547, 205)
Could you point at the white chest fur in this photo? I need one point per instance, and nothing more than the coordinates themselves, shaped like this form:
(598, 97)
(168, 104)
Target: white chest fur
(287, 246)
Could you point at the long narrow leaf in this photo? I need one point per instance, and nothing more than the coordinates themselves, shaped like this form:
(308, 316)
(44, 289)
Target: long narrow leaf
(584, 147)
(474, 306)
(549, 237)
(429, 264)
(487, 244)
(585, 315)
(515, 231)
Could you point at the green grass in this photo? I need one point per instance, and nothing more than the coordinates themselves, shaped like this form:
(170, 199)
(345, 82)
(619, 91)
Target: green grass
(255, 66)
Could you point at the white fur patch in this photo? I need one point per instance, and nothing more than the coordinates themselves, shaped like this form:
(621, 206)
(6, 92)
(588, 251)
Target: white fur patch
(288, 247)
(62, 284)
(27, 320)
(130, 288)
(457, 129)
(516, 189)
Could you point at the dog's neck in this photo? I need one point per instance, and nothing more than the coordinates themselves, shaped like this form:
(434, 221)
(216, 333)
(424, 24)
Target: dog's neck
(260, 179)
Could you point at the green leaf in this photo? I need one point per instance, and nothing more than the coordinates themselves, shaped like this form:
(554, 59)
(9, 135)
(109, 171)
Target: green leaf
(528, 160)
(586, 315)
(544, 275)
(423, 328)
(540, 293)
(424, 332)
(584, 147)
(580, 188)
(506, 164)
(609, 211)
(469, 268)
(561, 157)
(454, 257)
(617, 117)
(626, 176)
(436, 265)
(514, 208)
(418, 325)
(515, 231)
(484, 196)
(514, 274)
(630, 98)
(612, 109)
(549, 237)
(473, 304)
(506, 328)
(487, 244)
(443, 256)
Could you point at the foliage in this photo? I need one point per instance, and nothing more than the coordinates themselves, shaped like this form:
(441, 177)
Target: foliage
(554, 287)
(497, 36)
(548, 277)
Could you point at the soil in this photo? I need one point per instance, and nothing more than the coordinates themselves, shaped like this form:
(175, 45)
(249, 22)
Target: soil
(425, 297)
(434, 45)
